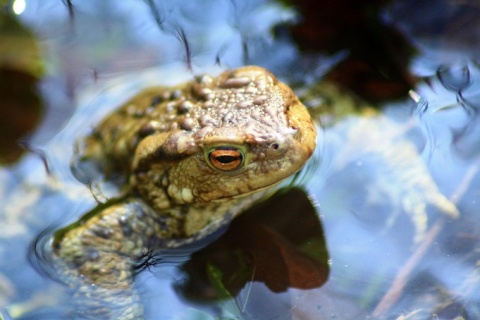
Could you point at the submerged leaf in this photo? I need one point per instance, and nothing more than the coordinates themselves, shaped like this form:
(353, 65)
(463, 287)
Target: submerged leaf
(279, 243)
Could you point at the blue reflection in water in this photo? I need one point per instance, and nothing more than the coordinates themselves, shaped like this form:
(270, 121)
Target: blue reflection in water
(357, 204)
(367, 204)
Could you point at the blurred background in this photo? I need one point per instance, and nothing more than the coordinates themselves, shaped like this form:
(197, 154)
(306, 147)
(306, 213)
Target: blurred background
(415, 63)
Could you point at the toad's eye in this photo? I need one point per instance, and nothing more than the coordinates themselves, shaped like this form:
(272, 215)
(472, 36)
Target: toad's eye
(226, 158)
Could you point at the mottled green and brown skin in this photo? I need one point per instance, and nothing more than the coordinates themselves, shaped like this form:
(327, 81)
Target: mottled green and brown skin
(194, 157)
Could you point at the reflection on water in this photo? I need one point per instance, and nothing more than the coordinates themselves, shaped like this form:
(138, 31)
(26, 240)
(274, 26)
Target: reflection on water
(387, 186)
(267, 233)
(279, 244)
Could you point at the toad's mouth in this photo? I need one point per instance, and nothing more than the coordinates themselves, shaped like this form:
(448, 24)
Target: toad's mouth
(262, 191)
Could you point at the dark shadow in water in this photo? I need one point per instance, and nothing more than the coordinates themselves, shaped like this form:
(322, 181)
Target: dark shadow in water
(376, 67)
(279, 243)
(20, 70)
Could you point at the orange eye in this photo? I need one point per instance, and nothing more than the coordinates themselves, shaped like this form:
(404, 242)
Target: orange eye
(226, 158)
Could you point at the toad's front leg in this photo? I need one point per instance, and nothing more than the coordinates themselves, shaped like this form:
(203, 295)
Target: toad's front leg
(97, 256)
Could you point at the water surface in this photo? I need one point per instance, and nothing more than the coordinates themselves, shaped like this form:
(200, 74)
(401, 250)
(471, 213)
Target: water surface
(362, 237)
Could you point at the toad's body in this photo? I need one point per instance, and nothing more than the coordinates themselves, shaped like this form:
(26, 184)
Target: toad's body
(192, 157)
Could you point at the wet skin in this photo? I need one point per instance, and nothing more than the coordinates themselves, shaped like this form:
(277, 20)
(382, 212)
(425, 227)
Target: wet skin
(191, 158)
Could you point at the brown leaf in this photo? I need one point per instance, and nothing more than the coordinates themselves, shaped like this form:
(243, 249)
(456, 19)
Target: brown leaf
(266, 244)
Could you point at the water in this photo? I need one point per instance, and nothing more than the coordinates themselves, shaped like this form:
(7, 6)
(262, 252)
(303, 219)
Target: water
(384, 188)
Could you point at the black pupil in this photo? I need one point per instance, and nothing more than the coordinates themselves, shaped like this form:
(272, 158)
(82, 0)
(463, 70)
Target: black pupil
(227, 159)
